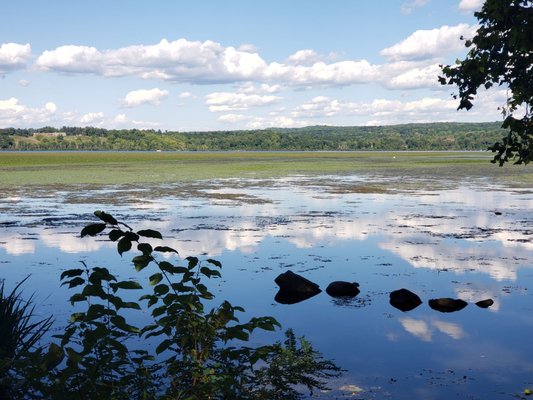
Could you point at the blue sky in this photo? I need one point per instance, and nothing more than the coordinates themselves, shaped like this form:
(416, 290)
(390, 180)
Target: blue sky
(234, 64)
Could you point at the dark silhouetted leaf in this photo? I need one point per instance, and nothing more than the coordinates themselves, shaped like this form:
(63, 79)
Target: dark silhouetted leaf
(123, 245)
(141, 262)
(150, 233)
(145, 248)
(92, 230)
(165, 249)
(115, 235)
(106, 217)
(156, 278)
(71, 273)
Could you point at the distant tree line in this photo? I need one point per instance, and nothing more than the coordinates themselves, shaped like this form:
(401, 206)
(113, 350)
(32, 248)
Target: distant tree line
(429, 136)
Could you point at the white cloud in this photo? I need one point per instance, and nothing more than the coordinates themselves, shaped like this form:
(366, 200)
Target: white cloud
(426, 44)
(202, 62)
(185, 95)
(304, 57)
(407, 8)
(415, 77)
(10, 104)
(144, 96)
(227, 101)
(12, 113)
(424, 330)
(92, 118)
(322, 106)
(13, 56)
(470, 5)
(276, 122)
(50, 107)
(24, 83)
(73, 59)
(179, 60)
(250, 88)
(232, 118)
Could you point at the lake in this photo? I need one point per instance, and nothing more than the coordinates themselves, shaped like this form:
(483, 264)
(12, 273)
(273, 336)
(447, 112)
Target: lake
(461, 236)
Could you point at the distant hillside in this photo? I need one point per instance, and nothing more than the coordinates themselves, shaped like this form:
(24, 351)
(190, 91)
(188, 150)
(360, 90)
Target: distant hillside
(430, 136)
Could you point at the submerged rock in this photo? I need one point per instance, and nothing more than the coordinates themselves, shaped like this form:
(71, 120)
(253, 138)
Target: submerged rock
(294, 288)
(343, 289)
(485, 303)
(447, 305)
(404, 300)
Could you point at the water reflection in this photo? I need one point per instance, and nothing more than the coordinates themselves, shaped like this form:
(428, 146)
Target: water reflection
(470, 242)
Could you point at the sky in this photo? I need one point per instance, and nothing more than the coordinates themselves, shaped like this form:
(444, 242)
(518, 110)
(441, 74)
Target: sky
(233, 64)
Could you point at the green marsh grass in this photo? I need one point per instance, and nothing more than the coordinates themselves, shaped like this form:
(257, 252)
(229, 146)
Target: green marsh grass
(103, 168)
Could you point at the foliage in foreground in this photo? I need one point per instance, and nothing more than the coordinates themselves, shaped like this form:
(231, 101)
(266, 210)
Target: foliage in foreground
(501, 53)
(199, 349)
(19, 333)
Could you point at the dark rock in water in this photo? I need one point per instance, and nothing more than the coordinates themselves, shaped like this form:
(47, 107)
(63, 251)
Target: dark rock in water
(404, 300)
(485, 303)
(447, 305)
(343, 289)
(294, 288)
(292, 298)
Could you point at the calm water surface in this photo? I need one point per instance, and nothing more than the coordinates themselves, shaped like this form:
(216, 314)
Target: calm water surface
(463, 239)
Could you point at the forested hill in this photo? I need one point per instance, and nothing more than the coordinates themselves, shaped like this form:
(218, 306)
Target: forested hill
(430, 136)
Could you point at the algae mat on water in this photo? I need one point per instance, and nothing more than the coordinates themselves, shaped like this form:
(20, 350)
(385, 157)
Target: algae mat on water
(103, 168)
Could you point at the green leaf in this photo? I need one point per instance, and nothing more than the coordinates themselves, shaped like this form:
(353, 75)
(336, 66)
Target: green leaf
(193, 262)
(123, 245)
(94, 290)
(92, 230)
(150, 233)
(168, 267)
(145, 248)
(161, 289)
(165, 249)
(53, 357)
(77, 298)
(141, 262)
(164, 345)
(120, 323)
(156, 278)
(115, 235)
(214, 262)
(71, 273)
(131, 304)
(128, 285)
(78, 316)
(106, 217)
(74, 282)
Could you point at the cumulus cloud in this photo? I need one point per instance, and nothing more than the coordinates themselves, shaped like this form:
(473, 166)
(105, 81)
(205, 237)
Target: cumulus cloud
(12, 113)
(92, 118)
(424, 330)
(144, 96)
(202, 63)
(304, 57)
(413, 77)
(180, 60)
(250, 88)
(232, 118)
(407, 8)
(13, 56)
(322, 106)
(227, 101)
(470, 5)
(433, 43)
